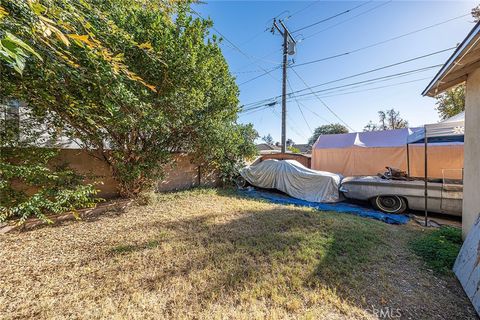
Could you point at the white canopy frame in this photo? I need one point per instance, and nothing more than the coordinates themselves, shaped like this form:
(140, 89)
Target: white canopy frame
(451, 129)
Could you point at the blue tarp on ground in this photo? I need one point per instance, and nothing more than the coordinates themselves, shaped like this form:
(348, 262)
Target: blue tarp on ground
(341, 207)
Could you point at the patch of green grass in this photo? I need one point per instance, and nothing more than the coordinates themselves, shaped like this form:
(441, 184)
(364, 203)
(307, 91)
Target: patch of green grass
(123, 249)
(152, 244)
(439, 248)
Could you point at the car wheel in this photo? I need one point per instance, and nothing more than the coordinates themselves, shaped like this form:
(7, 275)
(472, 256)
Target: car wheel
(390, 204)
(241, 182)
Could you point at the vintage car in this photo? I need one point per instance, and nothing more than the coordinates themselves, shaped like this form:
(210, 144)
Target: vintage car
(292, 178)
(396, 196)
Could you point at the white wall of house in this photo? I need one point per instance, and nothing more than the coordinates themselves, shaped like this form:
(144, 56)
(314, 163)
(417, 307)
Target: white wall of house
(471, 189)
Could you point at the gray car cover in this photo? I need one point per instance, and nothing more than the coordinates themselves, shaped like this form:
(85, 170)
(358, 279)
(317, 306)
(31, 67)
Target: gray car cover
(294, 179)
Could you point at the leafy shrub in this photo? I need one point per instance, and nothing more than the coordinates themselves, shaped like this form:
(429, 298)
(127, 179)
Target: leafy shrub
(31, 184)
(439, 248)
(30, 187)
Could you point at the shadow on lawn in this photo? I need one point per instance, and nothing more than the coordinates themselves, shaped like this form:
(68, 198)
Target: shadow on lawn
(273, 254)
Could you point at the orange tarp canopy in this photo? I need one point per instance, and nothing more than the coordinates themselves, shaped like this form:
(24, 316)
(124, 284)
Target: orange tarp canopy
(368, 153)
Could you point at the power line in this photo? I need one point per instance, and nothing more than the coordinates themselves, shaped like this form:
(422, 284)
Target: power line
(271, 101)
(370, 81)
(374, 70)
(253, 37)
(303, 9)
(361, 48)
(341, 89)
(262, 57)
(259, 76)
(383, 41)
(255, 58)
(376, 79)
(371, 9)
(300, 109)
(278, 15)
(352, 92)
(349, 19)
(316, 114)
(368, 46)
(248, 112)
(424, 56)
(236, 47)
(246, 71)
(377, 69)
(376, 88)
(253, 110)
(409, 33)
(258, 34)
(331, 17)
(289, 126)
(321, 101)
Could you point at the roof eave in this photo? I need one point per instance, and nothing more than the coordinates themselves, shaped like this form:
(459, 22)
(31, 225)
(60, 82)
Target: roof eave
(436, 86)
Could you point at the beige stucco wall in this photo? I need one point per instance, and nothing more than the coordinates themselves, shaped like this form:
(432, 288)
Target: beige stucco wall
(93, 168)
(471, 190)
(180, 174)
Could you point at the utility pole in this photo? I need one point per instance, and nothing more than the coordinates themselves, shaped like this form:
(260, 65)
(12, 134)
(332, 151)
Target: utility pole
(288, 49)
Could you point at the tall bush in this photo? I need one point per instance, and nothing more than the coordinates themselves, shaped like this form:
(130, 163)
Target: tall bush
(134, 80)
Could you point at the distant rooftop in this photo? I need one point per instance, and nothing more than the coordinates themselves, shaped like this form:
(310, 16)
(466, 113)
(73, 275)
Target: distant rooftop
(266, 148)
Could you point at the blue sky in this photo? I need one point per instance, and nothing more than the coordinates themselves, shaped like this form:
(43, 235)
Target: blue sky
(245, 23)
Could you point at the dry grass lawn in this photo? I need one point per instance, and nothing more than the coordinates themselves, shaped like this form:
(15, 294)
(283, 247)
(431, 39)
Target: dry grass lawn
(209, 254)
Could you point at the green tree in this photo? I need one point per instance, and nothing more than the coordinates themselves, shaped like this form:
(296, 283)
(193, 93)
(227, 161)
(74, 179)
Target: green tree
(371, 126)
(333, 128)
(225, 147)
(451, 102)
(61, 26)
(134, 80)
(389, 119)
(268, 139)
(293, 149)
(476, 13)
